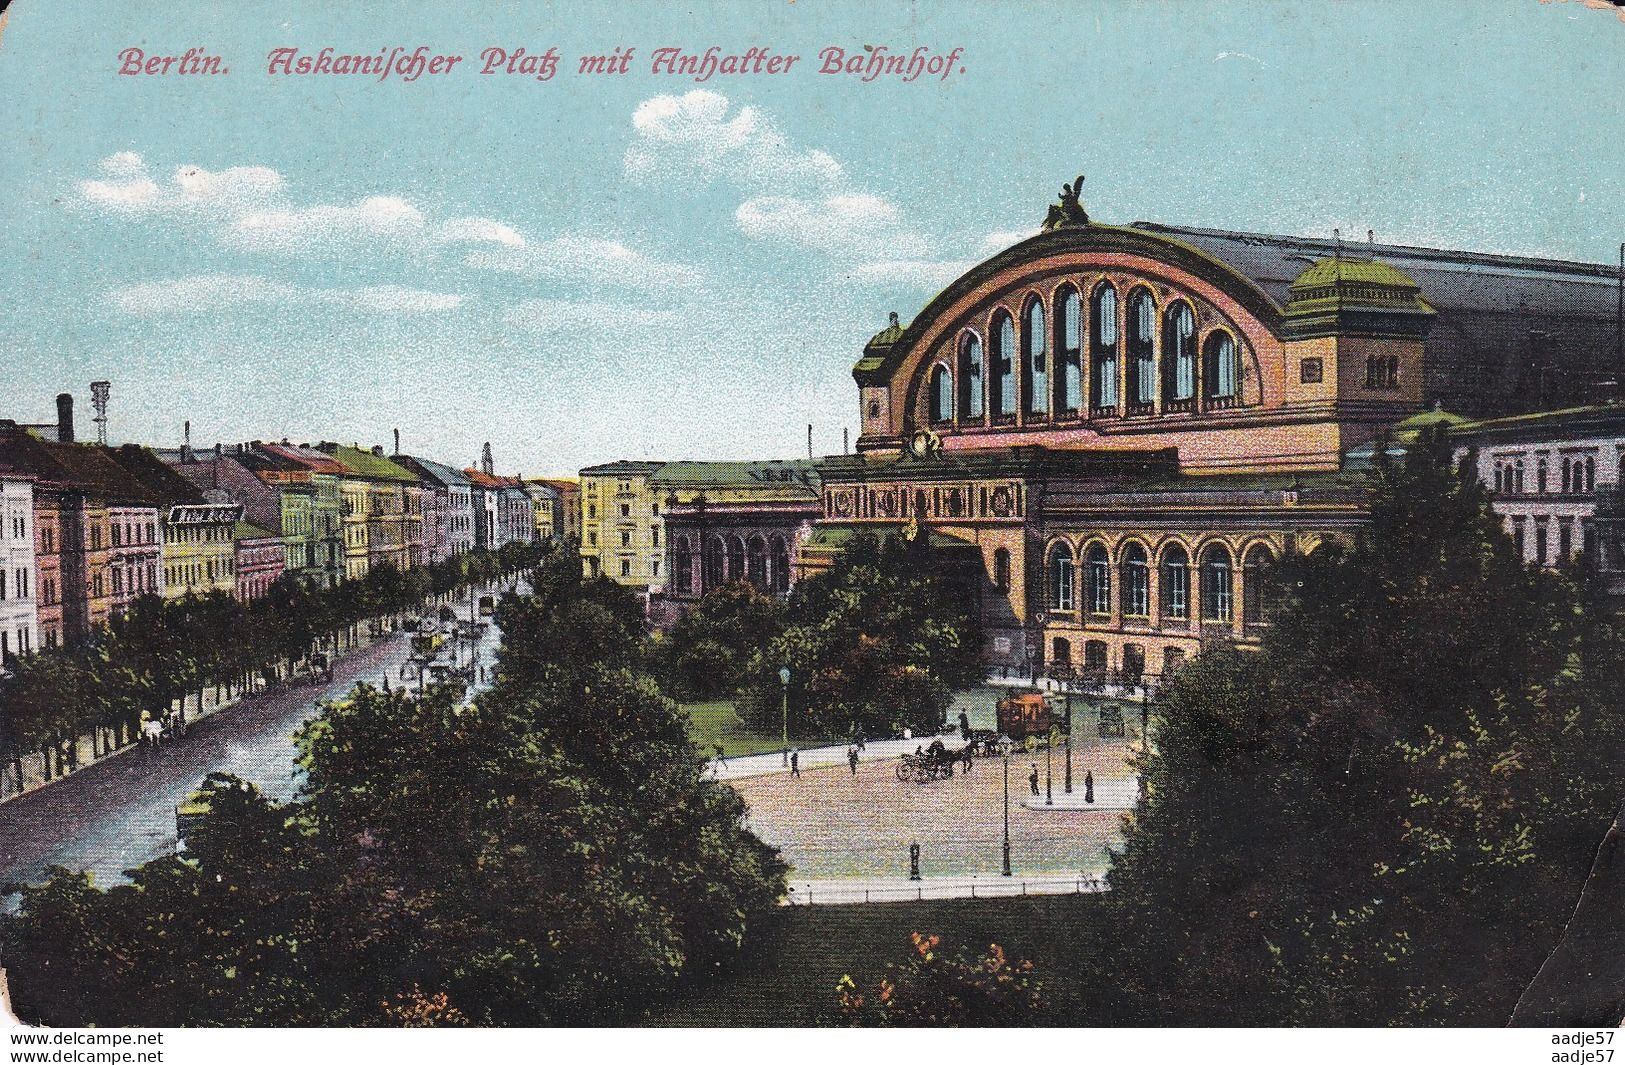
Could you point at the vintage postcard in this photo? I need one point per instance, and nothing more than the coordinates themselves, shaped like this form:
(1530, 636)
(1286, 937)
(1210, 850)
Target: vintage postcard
(812, 514)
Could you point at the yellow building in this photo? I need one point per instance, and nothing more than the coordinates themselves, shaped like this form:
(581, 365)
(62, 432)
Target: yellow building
(621, 533)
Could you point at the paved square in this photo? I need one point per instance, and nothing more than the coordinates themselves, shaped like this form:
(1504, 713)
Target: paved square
(830, 824)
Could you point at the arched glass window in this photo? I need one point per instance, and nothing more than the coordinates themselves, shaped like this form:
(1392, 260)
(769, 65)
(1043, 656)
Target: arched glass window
(1517, 476)
(1220, 370)
(756, 562)
(1178, 354)
(1001, 570)
(779, 574)
(1136, 582)
(1004, 373)
(942, 395)
(1218, 597)
(1176, 583)
(1565, 475)
(712, 573)
(1097, 580)
(1540, 476)
(736, 559)
(1500, 477)
(1069, 352)
(1103, 348)
(970, 377)
(1061, 578)
(1035, 361)
(683, 565)
(1142, 358)
(1255, 585)
(1591, 474)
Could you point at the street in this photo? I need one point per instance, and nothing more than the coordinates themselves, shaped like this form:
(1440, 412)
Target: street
(120, 812)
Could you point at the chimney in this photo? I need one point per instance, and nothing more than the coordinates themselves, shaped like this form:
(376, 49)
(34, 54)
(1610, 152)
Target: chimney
(186, 441)
(378, 449)
(64, 417)
(809, 440)
(397, 450)
(846, 440)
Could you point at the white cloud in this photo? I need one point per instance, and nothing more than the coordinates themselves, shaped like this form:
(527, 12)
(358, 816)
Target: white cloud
(128, 186)
(587, 260)
(996, 242)
(478, 231)
(587, 316)
(290, 230)
(693, 138)
(213, 291)
(850, 224)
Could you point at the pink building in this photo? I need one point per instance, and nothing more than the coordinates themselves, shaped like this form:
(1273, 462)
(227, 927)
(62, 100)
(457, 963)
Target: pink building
(260, 560)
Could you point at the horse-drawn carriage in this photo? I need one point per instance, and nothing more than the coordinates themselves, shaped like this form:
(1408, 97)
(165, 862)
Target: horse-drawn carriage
(936, 762)
(1030, 715)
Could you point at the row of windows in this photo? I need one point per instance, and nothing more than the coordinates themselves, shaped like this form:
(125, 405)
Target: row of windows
(1565, 538)
(131, 534)
(763, 561)
(1133, 574)
(190, 573)
(1123, 352)
(19, 527)
(24, 644)
(19, 583)
(1095, 659)
(1579, 475)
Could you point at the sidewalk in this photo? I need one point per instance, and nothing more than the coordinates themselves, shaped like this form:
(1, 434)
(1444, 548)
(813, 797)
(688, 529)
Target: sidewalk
(1110, 795)
(901, 889)
(756, 765)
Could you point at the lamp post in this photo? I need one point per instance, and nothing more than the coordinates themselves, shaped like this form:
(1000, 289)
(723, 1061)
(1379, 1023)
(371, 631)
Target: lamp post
(1004, 749)
(1049, 791)
(784, 712)
(1068, 683)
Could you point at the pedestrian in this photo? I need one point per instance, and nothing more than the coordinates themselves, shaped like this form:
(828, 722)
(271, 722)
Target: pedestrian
(1088, 786)
(967, 756)
(964, 726)
(852, 759)
(722, 758)
(1032, 780)
(795, 764)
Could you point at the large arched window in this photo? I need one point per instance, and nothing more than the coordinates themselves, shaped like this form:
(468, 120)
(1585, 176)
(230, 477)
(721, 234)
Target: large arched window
(1255, 585)
(1035, 361)
(1142, 356)
(779, 575)
(942, 395)
(1103, 348)
(683, 565)
(1178, 357)
(736, 559)
(1219, 368)
(1001, 570)
(1068, 352)
(1218, 596)
(970, 377)
(1136, 582)
(1176, 583)
(1097, 580)
(756, 562)
(712, 574)
(1003, 369)
(1062, 578)
(1591, 473)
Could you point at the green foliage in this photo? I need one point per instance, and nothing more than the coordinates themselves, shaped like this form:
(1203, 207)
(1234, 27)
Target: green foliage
(933, 989)
(548, 854)
(1385, 814)
(708, 652)
(158, 651)
(879, 642)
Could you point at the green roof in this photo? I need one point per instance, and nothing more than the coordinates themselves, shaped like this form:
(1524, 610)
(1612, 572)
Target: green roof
(247, 530)
(1338, 270)
(368, 465)
(759, 474)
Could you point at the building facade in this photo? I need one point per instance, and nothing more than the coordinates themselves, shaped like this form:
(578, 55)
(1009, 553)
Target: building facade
(621, 524)
(260, 560)
(448, 502)
(734, 521)
(19, 612)
(1115, 430)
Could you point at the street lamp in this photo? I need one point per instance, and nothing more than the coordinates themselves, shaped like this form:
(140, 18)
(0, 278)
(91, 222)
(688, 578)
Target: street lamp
(1049, 792)
(1068, 684)
(784, 712)
(1004, 749)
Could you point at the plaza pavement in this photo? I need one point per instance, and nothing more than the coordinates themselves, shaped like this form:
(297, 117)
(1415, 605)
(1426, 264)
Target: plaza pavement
(901, 889)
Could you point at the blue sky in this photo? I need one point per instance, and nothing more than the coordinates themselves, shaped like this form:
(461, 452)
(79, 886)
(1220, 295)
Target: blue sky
(602, 267)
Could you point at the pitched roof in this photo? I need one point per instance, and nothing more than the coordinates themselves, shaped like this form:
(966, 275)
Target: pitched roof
(87, 467)
(436, 472)
(766, 473)
(247, 530)
(621, 466)
(311, 459)
(163, 484)
(367, 464)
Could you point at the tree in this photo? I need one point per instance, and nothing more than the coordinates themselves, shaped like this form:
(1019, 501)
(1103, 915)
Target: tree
(708, 652)
(880, 642)
(1385, 813)
(936, 990)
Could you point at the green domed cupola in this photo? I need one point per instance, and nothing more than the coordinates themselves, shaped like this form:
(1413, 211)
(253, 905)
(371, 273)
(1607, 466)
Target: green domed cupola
(1337, 296)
